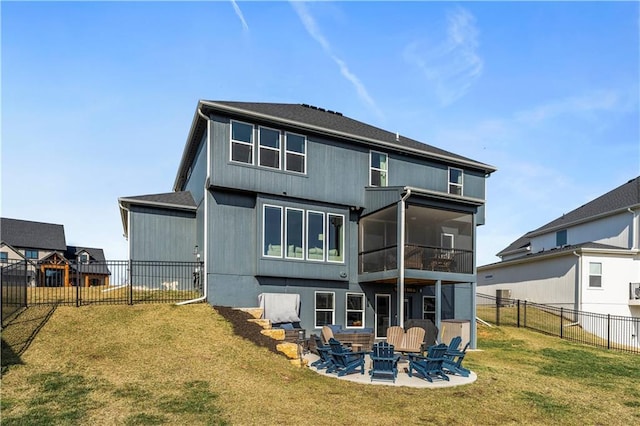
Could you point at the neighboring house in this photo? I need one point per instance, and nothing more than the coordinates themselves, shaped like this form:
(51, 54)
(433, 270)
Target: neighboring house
(587, 259)
(291, 198)
(43, 247)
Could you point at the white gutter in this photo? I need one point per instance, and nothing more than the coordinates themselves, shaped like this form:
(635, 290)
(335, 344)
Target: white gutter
(204, 276)
(401, 258)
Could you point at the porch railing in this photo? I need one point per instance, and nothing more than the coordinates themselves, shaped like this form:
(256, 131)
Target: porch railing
(424, 258)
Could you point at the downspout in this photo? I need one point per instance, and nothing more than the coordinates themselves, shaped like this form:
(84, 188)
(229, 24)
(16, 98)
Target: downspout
(578, 293)
(204, 276)
(401, 258)
(633, 230)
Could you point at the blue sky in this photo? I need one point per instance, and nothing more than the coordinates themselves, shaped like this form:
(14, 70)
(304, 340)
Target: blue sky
(97, 98)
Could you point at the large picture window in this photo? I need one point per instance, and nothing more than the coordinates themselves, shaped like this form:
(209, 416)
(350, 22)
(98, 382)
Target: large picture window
(295, 153)
(295, 233)
(595, 275)
(355, 310)
(269, 153)
(455, 181)
(315, 236)
(378, 169)
(335, 232)
(272, 231)
(241, 142)
(324, 308)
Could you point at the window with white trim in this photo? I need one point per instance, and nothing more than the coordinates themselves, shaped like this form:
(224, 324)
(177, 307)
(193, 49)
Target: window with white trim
(429, 308)
(595, 274)
(378, 169)
(315, 236)
(325, 308)
(295, 233)
(455, 181)
(295, 153)
(241, 142)
(269, 152)
(355, 310)
(335, 231)
(272, 231)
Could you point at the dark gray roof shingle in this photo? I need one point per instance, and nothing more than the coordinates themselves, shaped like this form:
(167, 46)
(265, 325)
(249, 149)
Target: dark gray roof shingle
(624, 196)
(178, 199)
(327, 119)
(35, 235)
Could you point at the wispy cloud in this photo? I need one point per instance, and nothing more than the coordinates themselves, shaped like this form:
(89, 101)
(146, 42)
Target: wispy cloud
(601, 100)
(453, 63)
(314, 31)
(236, 8)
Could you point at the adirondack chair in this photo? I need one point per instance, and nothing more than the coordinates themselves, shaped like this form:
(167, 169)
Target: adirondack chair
(453, 361)
(384, 362)
(395, 334)
(454, 345)
(412, 341)
(430, 366)
(324, 352)
(345, 361)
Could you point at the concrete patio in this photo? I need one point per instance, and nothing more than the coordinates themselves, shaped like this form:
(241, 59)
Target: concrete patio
(403, 378)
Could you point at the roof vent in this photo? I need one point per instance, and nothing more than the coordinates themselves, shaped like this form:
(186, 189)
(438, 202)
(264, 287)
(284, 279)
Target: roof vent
(321, 109)
(397, 137)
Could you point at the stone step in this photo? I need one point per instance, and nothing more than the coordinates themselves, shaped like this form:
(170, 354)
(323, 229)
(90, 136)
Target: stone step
(264, 323)
(254, 312)
(274, 333)
(289, 349)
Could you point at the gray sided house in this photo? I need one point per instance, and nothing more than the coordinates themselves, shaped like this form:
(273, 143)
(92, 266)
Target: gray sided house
(368, 227)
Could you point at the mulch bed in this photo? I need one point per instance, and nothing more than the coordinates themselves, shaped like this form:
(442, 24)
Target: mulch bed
(246, 329)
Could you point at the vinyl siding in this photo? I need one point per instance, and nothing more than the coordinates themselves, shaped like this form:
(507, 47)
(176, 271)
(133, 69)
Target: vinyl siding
(160, 234)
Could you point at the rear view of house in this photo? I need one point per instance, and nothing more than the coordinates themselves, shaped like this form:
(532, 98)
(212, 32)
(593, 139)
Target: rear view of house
(369, 228)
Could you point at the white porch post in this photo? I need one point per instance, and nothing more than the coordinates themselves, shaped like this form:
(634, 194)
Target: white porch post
(439, 308)
(401, 238)
(472, 323)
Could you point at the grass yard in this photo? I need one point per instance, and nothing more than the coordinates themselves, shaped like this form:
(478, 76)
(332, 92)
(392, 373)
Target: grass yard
(165, 364)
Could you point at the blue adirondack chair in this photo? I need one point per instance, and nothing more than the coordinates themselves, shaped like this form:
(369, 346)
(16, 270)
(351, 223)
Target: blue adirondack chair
(345, 361)
(430, 366)
(453, 361)
(324, 352)
(384, 363)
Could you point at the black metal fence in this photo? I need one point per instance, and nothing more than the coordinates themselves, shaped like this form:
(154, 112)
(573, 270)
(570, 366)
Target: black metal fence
(26, 283)
(607, 331)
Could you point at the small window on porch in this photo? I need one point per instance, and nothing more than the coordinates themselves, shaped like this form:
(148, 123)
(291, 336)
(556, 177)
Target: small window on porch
(455, 181)
(355, 310)
(429, 308)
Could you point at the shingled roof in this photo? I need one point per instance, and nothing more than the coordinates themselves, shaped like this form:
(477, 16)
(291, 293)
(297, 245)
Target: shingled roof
(33, 235)
(312, 119)
(623, 197)
(180, 199)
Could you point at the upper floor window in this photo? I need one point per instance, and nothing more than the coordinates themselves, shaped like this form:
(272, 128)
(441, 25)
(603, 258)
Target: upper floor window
(31, 254)
(272, 231)
(355, 310)
(335, 231)
(561, 238)
(269, 153)
(595, 274)
(84, 258)
(295, 153)
(4, 257)
(455, 181)
(308, 235)
(378, 169)
(325, 308)
(241, 142)
(315, 235)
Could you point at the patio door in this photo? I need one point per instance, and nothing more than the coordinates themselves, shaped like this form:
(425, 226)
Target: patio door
(383, 315)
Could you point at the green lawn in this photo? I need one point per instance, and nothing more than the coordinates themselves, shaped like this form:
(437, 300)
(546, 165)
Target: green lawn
(164, 364)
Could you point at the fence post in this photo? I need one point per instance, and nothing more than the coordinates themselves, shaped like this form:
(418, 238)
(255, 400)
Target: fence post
(497, 311)
(78, 280)
(129, 281)
(525, 314)
(518, 315)
(561, 328)
(608, 331)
